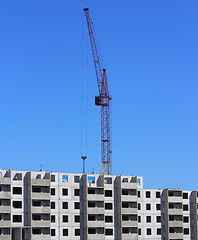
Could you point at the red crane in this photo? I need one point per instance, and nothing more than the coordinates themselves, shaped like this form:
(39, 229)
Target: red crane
(102, 100)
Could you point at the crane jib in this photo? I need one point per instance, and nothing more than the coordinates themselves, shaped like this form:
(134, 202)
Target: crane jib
(101, 100)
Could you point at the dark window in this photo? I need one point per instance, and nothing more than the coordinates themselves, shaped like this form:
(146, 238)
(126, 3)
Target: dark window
(65, 218)
(148, 194)
(186, 231)
(77, 232)
(77, 205)
(65, 191)
(17, 190)
(148, 231)
(65, 205)
(109, 232)
(52, 191)
(17, 204)
(52, 218)
(185, 195)
(76, 179)
(158, 206)
(157, 194)
(52, 178)
(139, 194)
(76, 192)
(158, 218)
(139, 231)
(148, 206)
(65, 232)
(158, 231)
(108, 193)
(148, 219)
(52, 205)
(185, 207)
(77, 218)
(139, 219)
(186, 219)
(108, 218)
(53, 232)
(108, 206)
(17, 218)
(139, 206)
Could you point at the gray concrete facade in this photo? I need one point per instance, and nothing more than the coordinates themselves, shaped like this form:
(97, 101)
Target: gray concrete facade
(50, 205)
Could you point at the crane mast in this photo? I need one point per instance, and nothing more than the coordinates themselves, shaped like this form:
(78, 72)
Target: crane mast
(102, 100)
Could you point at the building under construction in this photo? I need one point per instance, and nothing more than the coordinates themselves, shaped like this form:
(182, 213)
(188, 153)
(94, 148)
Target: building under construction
(50, 205)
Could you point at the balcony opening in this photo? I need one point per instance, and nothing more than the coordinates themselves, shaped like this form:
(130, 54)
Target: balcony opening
(175, 205)
(131, 230)
(175, 230)
(174, 193)
(175, 217)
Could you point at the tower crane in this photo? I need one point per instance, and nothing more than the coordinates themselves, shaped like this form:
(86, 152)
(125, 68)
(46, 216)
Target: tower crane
(103, 100)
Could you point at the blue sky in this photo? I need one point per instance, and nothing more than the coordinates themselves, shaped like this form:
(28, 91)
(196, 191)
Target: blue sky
(150, 51)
